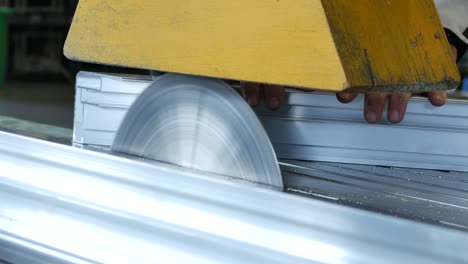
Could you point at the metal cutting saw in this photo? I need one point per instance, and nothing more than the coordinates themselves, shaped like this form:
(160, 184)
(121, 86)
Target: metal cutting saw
(201, 122)
(193, 176)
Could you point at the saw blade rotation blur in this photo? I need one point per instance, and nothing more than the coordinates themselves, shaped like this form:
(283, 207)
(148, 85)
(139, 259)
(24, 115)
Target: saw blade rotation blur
(202, 124)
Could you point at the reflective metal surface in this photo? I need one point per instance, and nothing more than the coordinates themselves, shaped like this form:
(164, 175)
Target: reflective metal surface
(101, 102)
(311, 126)
(436, 197)
(65, 205)
(202, 124)
(316, 127)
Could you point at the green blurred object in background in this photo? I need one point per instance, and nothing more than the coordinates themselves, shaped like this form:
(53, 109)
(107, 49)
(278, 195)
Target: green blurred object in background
(5, 12)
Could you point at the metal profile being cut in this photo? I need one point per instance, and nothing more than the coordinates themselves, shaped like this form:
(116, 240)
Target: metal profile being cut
(306, 127)
(315, 127)
(284, 46)
(85, 207)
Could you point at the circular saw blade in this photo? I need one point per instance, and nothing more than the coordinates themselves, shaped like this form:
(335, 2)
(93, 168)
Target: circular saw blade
(202, 124)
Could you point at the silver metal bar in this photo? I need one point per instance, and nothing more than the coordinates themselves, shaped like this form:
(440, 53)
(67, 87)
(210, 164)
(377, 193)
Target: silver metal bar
(314, 126)
(78, 206)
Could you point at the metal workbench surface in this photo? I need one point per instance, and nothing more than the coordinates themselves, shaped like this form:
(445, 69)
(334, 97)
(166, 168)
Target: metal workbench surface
(435, 197)
(61, 204)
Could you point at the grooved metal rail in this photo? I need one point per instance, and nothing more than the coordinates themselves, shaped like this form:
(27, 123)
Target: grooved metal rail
(66, 205)
(315, 127)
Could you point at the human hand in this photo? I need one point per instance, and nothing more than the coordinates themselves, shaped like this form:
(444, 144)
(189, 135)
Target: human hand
(374, 103)
(254, 93)
(397, 102)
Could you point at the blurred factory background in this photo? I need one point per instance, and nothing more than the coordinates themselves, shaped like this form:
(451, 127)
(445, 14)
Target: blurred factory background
(37, 31)
(39, 80)
(36, 80)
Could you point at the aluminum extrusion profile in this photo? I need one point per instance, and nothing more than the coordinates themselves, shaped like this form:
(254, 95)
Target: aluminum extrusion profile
(101, 102)
(315, 127)
(312, 126)
(78, 206)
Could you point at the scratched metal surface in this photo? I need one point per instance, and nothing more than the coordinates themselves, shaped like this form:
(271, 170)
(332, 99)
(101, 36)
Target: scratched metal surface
(430, 196)
(436, 197)
(84, 207)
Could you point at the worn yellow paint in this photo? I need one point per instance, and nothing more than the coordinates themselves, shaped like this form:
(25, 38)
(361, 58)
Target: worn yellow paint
(313, 44)
(392, 44)
(242, 39)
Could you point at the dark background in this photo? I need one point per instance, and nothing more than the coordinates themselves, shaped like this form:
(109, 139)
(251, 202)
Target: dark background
(40, 80)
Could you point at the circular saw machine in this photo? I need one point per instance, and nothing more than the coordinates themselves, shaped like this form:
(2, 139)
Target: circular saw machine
(201, 123)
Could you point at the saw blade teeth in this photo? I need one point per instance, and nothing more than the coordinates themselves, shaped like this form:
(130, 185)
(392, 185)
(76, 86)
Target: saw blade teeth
(202, 124)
